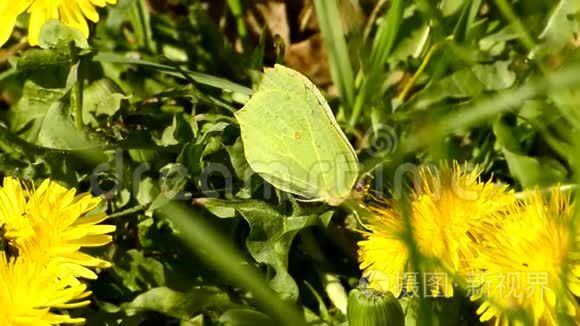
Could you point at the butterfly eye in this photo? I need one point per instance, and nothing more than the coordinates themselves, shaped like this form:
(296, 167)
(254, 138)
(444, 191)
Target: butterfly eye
(363, 283)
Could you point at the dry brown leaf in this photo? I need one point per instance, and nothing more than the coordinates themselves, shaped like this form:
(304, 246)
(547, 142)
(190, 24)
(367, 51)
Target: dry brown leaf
(310, 58)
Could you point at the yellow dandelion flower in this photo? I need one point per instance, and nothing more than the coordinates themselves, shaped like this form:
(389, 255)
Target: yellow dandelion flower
(12, 208)
(447, 211)
(55, 221)
(73, 13)
(29, 290)
(522, 263)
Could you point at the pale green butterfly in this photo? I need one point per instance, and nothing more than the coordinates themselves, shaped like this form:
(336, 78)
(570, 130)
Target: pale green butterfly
(292, 140)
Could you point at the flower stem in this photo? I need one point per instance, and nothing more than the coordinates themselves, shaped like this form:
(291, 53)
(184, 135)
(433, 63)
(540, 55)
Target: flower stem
(76, 98)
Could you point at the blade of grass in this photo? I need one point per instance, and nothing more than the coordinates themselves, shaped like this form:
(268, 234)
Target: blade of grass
(386, 35)
(474, 8)
(411, 82)
(330, 23)
(372, 18)
(76, 92)
(415, 259)
(573, 225)
(430, 11)
(525, 37)
(141, 21)
(509, 14)
(237, 11)
(76, 98)
(380, 52)
(8, 73)
(201, 78)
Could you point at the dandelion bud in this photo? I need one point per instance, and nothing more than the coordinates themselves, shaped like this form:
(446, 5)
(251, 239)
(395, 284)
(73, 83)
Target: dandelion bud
(369, 307)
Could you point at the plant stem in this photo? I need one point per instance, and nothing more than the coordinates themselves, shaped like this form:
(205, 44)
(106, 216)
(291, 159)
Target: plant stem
(237, 12)
(76, 99)
(128, 211)
(409, 85)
